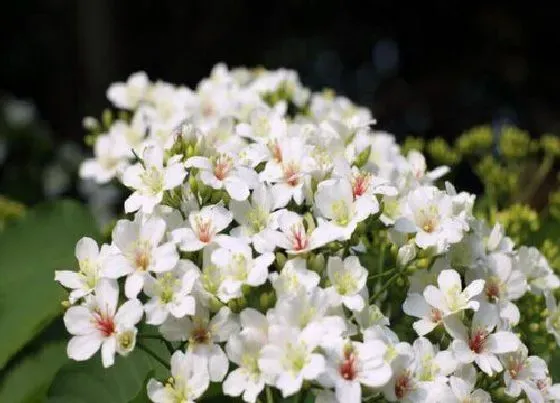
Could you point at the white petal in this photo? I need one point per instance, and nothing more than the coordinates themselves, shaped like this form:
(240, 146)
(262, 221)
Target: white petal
(423, 326)
(108, 349)
(502, 342)
(474, 289)
(79, 320)
(133, 285)
(449, 279)
(68, 278)
(235, 383)
(435, 297)
(87, 249)
(107, 293)
(185, 306)
(237, 189)
(129, 313)
(348, 391)
(81, 348)
(218, 364)
(156, 312)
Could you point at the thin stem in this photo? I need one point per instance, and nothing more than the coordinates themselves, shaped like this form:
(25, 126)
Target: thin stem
(269, 397)
(385, 273)
(154, 355)
(167, 343)
(386, 286)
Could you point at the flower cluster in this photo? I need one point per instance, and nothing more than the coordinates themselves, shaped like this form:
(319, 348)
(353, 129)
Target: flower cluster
(273, 241)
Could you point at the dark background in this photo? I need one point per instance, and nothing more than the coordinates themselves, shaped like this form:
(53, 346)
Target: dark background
(425, 68)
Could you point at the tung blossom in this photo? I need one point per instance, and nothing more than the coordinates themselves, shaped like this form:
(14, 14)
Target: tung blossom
(99, 324)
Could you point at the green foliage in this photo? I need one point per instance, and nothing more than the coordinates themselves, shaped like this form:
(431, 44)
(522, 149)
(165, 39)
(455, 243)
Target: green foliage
(89, 382)
(31, 376)
(30, 250)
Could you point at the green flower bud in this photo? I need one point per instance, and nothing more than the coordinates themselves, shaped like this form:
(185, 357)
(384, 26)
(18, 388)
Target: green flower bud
(317, 263)
(514, 142)
(412, 143)
(214, 304)
(107, 118)
(280, 260)
(363, 157)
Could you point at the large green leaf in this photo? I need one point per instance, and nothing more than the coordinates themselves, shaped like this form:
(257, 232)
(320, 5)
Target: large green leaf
(29, 379)
(89, 382)
(30, 251)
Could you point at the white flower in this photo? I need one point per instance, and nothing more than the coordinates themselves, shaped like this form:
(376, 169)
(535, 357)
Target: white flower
(520, 371)
(364, 183)
(553, 317)
(247, 378)
(348, 278)
(502, 284)
(189, 380)
(149, 179)
(312, 308)
(90, 260)
(110, 160)
(203, 335)
(204, 226)
(139, 250)
(535, 267)
(418, 169)
(350, 364)
(294, 277)
(170, 293)
(415, 305)
(463, 392)
(256, 219)
(238, 267)
(98, 324)
(431, 364)
(264, 125)
(334, 199)
(428, 212)
(449, 297)
(479, 344)
(403, 385)
(288, 170)
(128, 95)
(295, 238)
(289, 358)
(223, 172)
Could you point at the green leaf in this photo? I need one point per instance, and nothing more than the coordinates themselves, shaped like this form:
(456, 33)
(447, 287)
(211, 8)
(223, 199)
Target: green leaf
(89, 382)
(30, 250)
(29, 380)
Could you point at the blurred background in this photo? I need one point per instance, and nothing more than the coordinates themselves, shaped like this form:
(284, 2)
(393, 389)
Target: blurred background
(432, 70)
(425, 70)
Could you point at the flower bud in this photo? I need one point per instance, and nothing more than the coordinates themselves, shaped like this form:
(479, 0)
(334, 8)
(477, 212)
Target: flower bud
(405, 255)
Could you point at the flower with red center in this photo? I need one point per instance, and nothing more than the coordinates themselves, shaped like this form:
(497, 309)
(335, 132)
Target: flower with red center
(277, 152)
(347, 367)
(436, 315)
(299, 237)
(104, 323)
(93, 327)
(360, 184)
(403, 384)
(222, 167)
(204, 229)
(291, 173)
(478, 340)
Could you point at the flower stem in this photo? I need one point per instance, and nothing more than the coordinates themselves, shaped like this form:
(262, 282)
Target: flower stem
(269, 397)
(385, 287)
(168, 344)
(153, 354)
(385, 273)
